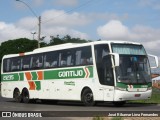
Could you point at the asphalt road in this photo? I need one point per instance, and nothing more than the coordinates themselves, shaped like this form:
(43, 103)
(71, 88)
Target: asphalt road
(73, 109)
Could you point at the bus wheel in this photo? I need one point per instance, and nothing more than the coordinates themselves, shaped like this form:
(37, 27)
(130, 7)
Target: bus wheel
(17, 96)
(119, 103)
(87, 98)
(25, 96)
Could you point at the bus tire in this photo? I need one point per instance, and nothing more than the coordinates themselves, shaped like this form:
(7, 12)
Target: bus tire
(87, 97)
(119, 103)
(17, 95)
(25, 96)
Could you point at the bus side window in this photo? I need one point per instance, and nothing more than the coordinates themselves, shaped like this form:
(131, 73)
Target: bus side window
(86, 57)
(15, 64)
(78, 57)
(83, 56)
(69, 58)
(54, 59)
(37, 61)
(62, 59)
(47, 60)
(47, 65)
(6, 65)
(50, 59)
(26, 62)
(84, 61)
(54, 64)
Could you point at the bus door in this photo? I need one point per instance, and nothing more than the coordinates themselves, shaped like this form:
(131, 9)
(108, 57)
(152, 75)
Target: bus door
(107, 80)
(105, 71)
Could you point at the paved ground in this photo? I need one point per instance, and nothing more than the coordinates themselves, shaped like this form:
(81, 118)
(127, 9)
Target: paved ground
(72, 110)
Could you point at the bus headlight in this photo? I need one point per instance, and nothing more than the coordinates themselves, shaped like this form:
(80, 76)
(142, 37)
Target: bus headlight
(119, 88)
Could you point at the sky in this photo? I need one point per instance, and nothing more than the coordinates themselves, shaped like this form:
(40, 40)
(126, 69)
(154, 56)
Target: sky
(127, 20)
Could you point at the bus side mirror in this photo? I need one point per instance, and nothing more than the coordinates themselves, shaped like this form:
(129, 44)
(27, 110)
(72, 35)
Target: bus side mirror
(155, 58)
(116, 59)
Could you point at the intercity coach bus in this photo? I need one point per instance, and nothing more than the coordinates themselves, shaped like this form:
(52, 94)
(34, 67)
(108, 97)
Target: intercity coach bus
(115, 71)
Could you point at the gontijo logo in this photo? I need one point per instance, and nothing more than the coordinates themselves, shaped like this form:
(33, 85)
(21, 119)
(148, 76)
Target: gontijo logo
(70, 73)
(82, 73)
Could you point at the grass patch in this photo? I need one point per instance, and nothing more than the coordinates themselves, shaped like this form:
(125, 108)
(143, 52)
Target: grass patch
(155, 98)
(98, 118)
(117, 118)
(106, 118)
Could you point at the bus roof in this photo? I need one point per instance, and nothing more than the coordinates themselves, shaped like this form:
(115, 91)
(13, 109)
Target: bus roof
(69, 45)
(60, 46)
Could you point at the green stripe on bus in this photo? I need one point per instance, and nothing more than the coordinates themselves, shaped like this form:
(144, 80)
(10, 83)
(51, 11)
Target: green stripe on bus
(82, 72)
(38, 85)
(12, 77)
(68, 73)
(34, 76)
(21, 76)
(91, 71)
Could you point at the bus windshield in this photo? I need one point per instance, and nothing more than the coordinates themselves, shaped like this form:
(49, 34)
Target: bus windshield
(134, 64)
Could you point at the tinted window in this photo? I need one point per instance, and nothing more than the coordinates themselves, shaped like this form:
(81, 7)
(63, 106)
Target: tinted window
(50, 59)
(6, 65)
(37, 61)
(62, 58)
(66, 58)
(104, 65)
(16, 64)
(26, 62)
(83, 56)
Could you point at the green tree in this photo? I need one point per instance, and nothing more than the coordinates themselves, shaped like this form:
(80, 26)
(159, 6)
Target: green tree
(55, 40)
(17, 46)
(66, 39)
(69, 39)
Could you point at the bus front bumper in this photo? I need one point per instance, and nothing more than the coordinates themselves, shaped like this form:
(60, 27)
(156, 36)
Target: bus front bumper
(126, 95)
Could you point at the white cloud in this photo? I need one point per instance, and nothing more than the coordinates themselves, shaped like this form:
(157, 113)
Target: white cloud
(63, 24)
(144, 33)
(27, 23)
(148, 36)
(113, 30)
(61, 18)
(62, 31)
(10, 31)
(66, 2)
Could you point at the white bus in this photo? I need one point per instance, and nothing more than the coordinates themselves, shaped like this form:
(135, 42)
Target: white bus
(112, 71)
